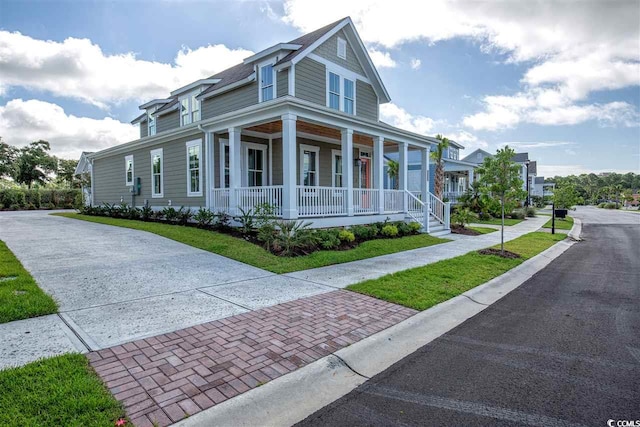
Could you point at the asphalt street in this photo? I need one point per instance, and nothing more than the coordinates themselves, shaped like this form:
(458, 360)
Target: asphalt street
(561, 350)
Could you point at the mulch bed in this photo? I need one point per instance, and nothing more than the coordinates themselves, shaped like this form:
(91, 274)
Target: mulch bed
(465, 231)
(505, 254)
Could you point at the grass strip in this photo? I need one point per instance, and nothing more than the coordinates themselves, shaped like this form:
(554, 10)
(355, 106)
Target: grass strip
(561, 224)
(424, 287)
(20, 295)
(249, 253)
(498, 221)
(59, 391)
(483, 230)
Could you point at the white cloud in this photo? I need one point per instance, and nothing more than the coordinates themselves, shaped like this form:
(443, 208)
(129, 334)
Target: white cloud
(22, 122)
(415, 63)
(79, 69)
(567, 59)
(549, 171)
(399, 117)
(538, 144)
(382, 59)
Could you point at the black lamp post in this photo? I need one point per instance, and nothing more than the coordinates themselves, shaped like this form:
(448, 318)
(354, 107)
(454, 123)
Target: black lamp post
(526, 202)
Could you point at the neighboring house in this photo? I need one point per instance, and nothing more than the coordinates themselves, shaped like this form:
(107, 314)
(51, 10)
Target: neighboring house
(295, 126)
(83, 170)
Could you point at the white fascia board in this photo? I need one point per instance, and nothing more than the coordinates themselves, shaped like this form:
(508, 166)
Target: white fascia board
(194, 85)
(168, 110)
(251, 78)
(321, 40)
(273, 49)
(138, 119)
(154, 102)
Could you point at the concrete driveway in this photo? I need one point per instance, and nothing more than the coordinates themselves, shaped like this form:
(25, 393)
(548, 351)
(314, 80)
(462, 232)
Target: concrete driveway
(115, 285)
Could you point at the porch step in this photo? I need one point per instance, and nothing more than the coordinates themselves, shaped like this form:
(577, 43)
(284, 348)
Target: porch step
(435, 227)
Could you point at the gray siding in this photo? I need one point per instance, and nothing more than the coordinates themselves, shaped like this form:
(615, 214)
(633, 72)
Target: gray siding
(329, 50)
(366, 101)
(144, 129)
(311, 80)
(233, 100)
(217, 152)
(109, 176)
(282, 83)
(167, 121)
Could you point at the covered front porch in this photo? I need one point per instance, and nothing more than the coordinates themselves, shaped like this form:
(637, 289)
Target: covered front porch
(458, 177)
(301, 167)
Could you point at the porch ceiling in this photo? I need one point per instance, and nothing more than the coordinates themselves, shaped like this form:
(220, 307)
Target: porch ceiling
(318, 130)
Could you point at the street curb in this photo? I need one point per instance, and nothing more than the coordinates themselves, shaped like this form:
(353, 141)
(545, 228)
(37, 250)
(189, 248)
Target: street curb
(293, 397)
(576, 230)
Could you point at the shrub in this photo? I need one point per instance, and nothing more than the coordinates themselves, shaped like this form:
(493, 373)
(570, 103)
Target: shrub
(12, 198)
(517, 214)
(601, 205)
(364, 232)
(294, 238)
(246, 221)
(263, 214)
(415, 227)
(346, 236)
(32, 197)
(612, 205)
(389, 230)
(146, 213)
(328, 238)
(403, 228)
(462, 217)
(158, 215)
(170, 214)
(204, 217)
(184, 215)
(531, 212)
(267, 235)
(223, 220)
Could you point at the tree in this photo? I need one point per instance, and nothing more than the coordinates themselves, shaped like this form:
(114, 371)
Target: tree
(500, 179)
(7, 159)
(66, 172)
(565, 197)
(34, 164)
(393, 169)
(436, 156)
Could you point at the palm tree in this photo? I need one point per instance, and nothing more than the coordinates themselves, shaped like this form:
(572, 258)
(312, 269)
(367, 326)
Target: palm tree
(436, 156)
(392, 170)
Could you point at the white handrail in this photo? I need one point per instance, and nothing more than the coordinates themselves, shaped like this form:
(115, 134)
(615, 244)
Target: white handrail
(440, 210)
(220, 200)
(365, 201)
(248, 198)
(321, 201)
(393, 201)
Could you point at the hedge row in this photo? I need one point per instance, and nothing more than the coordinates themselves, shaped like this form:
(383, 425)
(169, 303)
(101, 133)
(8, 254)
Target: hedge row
(18, 199)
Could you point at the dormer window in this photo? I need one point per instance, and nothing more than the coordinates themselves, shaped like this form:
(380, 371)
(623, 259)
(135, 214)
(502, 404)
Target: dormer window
(342, 48)
(151, 122)
(190, 108)
(341, 93)
(267, 86)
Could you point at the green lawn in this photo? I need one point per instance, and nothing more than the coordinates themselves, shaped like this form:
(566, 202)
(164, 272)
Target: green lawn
(497, 221)
(483, 230)
(561, 224)
(424, 287)
(60, 391)
(249, 253)
(20, 296)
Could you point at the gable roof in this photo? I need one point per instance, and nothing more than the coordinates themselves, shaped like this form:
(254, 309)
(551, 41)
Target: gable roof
(306, 40)
(472, 156)
(229, 76)
(166, 107)
(142, 117)
(533, 167)
(520, 157)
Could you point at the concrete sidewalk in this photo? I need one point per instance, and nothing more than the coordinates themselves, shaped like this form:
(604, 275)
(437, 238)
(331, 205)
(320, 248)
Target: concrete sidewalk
(343, 275)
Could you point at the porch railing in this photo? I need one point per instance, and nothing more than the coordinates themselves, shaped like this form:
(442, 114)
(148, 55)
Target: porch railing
(440, 210)
(415, 208)
(393, 201)
(453, 196)
(321, 201)
(365, 201)
(248, 198)
(220, 200)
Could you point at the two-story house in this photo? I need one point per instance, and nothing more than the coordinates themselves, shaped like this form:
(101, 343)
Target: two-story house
(295, 126)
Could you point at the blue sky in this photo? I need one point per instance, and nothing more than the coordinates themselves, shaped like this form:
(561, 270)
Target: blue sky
(484, 74)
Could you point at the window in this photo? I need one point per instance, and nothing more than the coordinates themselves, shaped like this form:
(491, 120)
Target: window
(194, 175)
(454, 153)
(267, 88)
(349, 95)
(151, 122)
(128, 170)
(224, 164)
(190, 108)
(157, 184)
(336, 168)
(309, 157)
(341, 93)
(342, 48)
(255, 167)
(334, 91)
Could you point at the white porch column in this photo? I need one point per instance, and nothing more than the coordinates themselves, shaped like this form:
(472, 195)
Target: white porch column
(403, 170)
(378, 170)
(424, 186)
(347, 166)
(289, 169)
(470, 178)
(209, 166)
(235, 168)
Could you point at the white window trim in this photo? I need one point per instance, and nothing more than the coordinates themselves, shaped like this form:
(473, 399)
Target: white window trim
(126, 165)
(342, 42)
(341, 102)
(272, 62)
(189, 97)
(155, 122)
(303, 148)
(157, 151)
(335, 153)
(223, 143)
(189, 144)
(245, 150)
